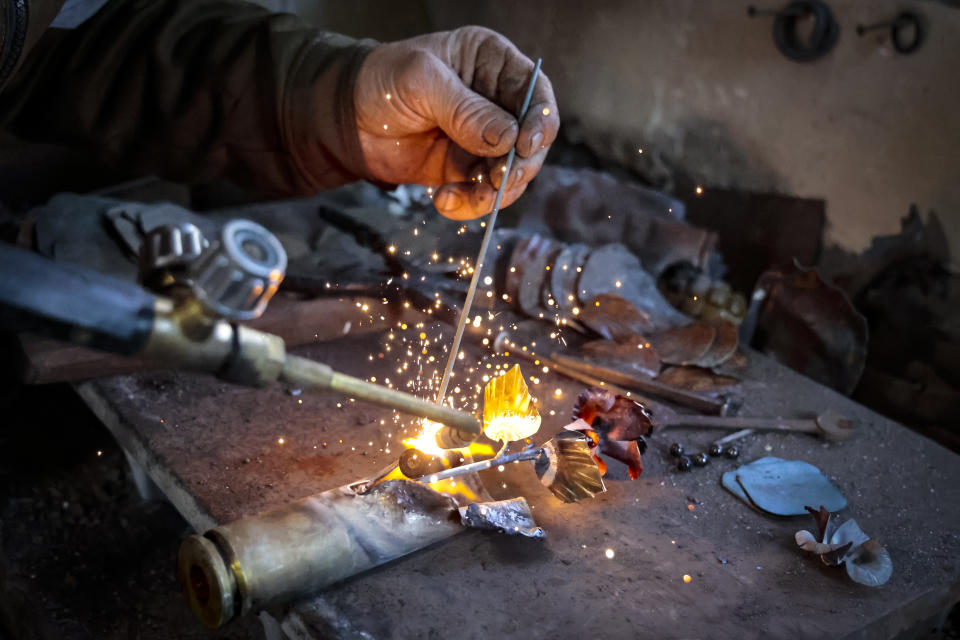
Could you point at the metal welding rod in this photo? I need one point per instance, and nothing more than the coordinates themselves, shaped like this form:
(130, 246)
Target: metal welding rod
(312, 374)
(447, 438)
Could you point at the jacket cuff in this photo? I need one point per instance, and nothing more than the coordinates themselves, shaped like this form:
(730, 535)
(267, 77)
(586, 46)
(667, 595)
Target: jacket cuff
(319, 119)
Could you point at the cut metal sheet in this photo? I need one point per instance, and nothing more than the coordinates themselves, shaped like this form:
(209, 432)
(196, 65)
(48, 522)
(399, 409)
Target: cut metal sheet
(512, 517)
(615, 318)
(632, 352)
(684, 345)
(783, 487)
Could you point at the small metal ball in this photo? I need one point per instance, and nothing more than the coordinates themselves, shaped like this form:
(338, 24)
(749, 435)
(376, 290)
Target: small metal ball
(716, 450)
(701, 459)
(676, 449)
(684, 464)
(732, 452)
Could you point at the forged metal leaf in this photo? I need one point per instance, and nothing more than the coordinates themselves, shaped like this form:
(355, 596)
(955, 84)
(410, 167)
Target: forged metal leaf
(724, 344)
(609, 413)
(869, 564)
(512, 517)
(627, 452)
(810, 326)
(634, 352)
(782, 487)
(509, 412)
(696, 379)
(616, 426)
(825, 527)
(569, 467)
(684, 345)
(615, 318)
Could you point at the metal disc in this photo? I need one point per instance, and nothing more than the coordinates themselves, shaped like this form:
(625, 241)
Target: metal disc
(684, 345)
(724, 344)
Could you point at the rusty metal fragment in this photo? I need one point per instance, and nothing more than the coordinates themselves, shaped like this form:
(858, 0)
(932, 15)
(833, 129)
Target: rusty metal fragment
(810, 326)
(697, 379)
(615, 318)
(684, 345)
(632, 352)
(724, 344)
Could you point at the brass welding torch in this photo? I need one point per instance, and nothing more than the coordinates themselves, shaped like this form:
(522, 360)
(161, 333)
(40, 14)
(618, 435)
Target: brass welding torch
(207, 287)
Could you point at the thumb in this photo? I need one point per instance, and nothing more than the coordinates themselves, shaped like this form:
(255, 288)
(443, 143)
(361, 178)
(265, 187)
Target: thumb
(473, 122)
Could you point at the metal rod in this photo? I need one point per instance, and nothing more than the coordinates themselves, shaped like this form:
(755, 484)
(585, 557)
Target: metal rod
(488, 234)
(738, 423)
(736, 435)
(526, 454)
(309, 373)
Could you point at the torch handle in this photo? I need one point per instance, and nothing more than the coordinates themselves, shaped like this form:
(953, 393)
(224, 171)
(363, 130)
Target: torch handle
(72, 303)
(312, 374)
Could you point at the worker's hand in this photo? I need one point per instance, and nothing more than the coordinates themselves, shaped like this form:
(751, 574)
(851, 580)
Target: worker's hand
(439, 110)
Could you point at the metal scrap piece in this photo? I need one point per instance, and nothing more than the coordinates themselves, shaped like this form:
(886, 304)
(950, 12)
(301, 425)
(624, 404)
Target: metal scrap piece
(613, 269)
(633, 351)
(512, 517)
(724, 344)
(684, 345)
(615, 318)
(782, 487)
(564, 275)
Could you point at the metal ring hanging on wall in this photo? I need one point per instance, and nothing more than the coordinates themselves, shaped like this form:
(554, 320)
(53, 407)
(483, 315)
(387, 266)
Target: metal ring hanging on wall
(824, 35)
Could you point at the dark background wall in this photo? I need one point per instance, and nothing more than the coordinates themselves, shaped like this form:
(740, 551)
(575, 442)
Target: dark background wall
(696, 83)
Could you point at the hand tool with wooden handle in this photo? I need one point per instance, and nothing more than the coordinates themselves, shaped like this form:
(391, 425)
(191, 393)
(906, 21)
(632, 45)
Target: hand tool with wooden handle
(829, 426)
(613, 379)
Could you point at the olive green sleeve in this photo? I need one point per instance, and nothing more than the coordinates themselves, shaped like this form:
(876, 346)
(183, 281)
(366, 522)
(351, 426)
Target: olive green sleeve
(195, 90)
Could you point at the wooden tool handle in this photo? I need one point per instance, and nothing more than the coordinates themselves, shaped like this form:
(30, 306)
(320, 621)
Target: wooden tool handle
(682, 397)
(737, 423)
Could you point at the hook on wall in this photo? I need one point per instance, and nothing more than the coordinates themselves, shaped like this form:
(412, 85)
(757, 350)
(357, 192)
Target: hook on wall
(787, 34)
(907, 31)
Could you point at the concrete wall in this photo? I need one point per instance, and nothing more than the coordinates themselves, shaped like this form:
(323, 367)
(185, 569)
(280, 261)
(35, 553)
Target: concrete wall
(699, 83)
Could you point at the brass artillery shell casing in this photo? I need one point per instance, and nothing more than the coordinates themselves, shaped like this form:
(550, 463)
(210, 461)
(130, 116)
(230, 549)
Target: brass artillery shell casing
(305, 546)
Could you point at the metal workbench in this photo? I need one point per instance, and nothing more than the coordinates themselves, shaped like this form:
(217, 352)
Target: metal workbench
(214, 450)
